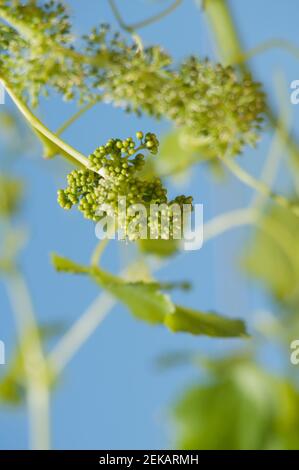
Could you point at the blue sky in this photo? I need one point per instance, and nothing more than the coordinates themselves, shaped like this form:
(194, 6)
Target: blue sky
(112, 394)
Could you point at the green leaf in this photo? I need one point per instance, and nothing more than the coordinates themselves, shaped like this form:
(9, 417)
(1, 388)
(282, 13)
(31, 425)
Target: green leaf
(6, 265)
(66, 265)
(273, 255)
(13, 381)
(179, 150)
(161, 248)
(201, 323)
(146, 301)
(11, 244)
(244, 408)
(11, 192)
(220, 417)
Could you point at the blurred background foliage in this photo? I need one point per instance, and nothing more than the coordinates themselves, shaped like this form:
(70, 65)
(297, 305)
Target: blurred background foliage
(238, 405)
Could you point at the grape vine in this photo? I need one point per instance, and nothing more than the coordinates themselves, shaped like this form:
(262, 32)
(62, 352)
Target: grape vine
(217, 108)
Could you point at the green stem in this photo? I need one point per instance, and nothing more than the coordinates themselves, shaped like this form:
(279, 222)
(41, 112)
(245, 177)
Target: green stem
(251, 216)
(226, 37)
(44, 133)
(98, 251)
(76, 116)
(268, 45)
(118, 16)
(224, 222)
(129, 29)
(141, 24)
(272, 161)
(85, 326)
(258, 185)
(35, 366)
(79, 333)
(157, 17)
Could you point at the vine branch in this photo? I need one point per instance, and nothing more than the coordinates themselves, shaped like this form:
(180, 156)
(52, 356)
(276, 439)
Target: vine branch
(268, 45)
(35, 366)
(76, 116)
(258, 185)
(141, 24)
(48, 136)
(43, 132)
(78, 334)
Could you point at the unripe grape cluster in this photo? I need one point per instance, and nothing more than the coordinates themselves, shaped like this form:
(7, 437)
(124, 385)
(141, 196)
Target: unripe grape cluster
(120, 161)
(208, 101)
(212, 104)
(220, 110)
(36, 50)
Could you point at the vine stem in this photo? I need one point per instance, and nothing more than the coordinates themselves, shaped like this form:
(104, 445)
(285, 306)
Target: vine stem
(85, 326)
(272, 162)
(98, 251)
(251, 216)
(268, 45)
(224, 222)
(78, 334)
(35, 365)
(258, 185)
(47, 136)
(76, 116)
(42, 130)
(141, 24)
